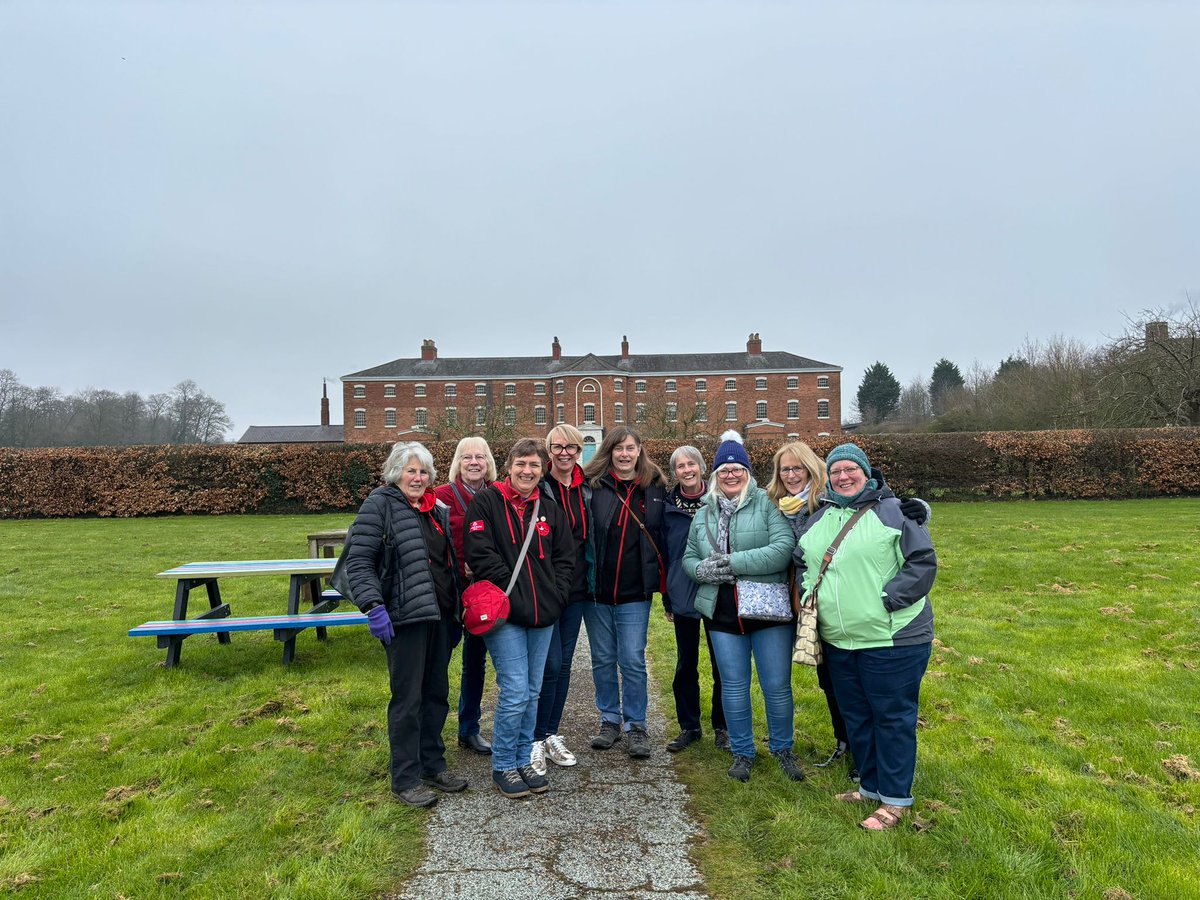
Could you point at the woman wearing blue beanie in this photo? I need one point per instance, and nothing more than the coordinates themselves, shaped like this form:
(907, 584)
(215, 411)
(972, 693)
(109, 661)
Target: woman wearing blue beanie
(876, 624)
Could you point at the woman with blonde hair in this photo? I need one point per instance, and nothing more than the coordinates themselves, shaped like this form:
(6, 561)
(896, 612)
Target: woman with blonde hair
(472, 469)
(564, 484)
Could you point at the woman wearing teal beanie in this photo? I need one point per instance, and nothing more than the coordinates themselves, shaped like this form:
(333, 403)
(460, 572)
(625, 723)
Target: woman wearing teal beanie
(876, 625)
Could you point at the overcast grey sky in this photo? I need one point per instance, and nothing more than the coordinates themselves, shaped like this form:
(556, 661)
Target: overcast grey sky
(255, 195)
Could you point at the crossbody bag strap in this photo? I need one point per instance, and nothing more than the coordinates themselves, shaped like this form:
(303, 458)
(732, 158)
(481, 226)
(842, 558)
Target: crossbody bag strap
(837, 542)
(629, 509)
(524, 547)
(712, 538)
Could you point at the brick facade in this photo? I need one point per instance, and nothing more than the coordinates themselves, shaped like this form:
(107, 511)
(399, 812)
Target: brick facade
(603, 391)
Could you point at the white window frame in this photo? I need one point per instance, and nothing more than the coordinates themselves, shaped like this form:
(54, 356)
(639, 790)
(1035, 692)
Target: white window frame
(760, 384)
(452, 415)
(539, 415)
(760, 410)
(672, 412)
(825, 405)
(539, 388)
(360, 418)
(731, 411)
(510, 389)
(701, 410)
(481, 389)
(421, 417)
(360, 392)
(822, 381)
(672, 386)
(731, 384)
(560, 414)
(418, 390)
(619, 385)
(639, 386)
(619, 413)
(589, 413)
(480, 415)
(793, 382)
(793, 409)
(510, 416)
(389, 417)
(701, 385)
(450, 390)
(389, 390)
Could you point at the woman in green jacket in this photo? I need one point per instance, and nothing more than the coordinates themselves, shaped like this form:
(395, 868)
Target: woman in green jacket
(740, 536)
(876, 625)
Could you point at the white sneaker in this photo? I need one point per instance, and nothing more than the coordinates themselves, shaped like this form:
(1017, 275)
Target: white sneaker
(556, 749)
(537, 757)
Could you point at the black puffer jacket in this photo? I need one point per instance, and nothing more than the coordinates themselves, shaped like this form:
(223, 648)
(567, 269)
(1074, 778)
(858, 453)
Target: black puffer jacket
(400, 580)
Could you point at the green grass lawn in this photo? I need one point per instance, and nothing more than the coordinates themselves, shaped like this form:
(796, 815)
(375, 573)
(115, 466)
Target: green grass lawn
(1059, 735)
(1057, 756)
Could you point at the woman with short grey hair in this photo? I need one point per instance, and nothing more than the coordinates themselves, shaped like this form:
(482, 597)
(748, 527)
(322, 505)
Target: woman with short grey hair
(403, 573)
(687, 469)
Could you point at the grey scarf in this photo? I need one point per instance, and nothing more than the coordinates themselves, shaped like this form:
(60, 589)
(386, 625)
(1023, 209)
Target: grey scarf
(728, 508)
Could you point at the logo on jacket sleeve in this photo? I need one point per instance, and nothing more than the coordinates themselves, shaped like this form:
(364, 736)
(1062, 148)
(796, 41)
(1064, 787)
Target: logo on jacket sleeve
(477, 525)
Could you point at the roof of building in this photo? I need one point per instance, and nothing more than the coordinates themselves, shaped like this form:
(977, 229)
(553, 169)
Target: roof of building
(590, 364)
(292, 434)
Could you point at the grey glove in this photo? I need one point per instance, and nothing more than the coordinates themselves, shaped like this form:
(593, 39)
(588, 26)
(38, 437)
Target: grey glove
(724, 573)
(712, 569)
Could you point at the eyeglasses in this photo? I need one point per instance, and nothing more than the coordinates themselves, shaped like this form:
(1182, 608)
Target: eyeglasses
(791, 470)
(735, 472)
(565, 448)
(846, 470)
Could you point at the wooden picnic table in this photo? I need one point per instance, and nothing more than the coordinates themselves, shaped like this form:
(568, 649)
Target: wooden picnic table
(304, 576)
(324, 543)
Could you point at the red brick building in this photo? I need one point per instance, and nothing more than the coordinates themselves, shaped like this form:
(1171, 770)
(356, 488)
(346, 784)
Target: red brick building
(764, 394)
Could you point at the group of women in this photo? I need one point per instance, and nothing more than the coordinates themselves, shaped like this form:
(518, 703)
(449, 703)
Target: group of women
(593, 543)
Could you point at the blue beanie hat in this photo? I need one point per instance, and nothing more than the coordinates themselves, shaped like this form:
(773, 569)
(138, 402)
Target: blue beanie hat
(731, 451)
(851, 452)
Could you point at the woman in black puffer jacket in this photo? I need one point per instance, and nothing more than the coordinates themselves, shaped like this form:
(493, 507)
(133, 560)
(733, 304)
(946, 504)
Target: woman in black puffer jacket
(403, 573)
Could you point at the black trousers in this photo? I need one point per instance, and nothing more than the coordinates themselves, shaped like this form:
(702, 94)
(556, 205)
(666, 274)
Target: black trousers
(686, 684)
(417, 657)
(835, 714)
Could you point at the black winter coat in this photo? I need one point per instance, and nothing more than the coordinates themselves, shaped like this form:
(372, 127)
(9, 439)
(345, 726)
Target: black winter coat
(492, 537)
(606, 504)
(399, 579)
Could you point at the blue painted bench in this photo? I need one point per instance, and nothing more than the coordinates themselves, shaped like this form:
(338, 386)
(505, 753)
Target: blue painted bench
(304, 576)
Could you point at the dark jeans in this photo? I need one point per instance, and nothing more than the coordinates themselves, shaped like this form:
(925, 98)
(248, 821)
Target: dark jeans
(835, 714)
(686, 685)
(557, 679)
(417, 659)
(878, 692)
(474, 667)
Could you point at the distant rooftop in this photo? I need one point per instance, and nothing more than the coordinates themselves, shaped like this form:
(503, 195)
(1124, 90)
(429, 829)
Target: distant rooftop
(429, 365)
(292, 434)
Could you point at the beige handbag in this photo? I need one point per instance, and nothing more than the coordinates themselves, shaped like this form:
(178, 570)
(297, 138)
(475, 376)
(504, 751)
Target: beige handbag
(807, 649)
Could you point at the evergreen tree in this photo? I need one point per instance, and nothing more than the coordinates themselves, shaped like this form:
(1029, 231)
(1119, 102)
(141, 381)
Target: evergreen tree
(947, 380)
(878, 394)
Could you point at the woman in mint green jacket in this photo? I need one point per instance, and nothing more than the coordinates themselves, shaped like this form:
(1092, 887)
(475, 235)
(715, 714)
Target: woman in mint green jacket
(740, 535)
(876, 625)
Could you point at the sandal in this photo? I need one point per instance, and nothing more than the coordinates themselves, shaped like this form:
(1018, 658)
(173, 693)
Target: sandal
(882, 819)
(850, 797)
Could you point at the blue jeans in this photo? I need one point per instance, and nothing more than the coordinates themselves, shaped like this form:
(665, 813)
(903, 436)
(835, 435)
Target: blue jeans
(878, 691)
(772, 652)
(519, 657)
(470, 692)
(557, 679)
(617, 635)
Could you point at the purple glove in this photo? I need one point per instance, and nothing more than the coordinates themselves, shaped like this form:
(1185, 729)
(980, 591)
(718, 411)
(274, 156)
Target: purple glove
(380, 624)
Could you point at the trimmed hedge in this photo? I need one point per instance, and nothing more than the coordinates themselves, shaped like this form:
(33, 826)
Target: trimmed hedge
(235, 478)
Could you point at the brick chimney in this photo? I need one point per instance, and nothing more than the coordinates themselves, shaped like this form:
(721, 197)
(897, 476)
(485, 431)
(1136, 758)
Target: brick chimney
(324, 404)
(624, 346)
(556, 349)
(428, 350)
(754, 345)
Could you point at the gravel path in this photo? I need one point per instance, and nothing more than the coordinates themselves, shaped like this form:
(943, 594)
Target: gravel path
(608, 827)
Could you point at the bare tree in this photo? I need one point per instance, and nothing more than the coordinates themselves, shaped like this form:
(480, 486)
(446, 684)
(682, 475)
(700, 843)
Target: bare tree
(1150, 375)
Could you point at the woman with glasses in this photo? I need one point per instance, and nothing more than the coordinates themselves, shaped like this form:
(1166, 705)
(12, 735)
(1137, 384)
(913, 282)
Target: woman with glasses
(472, 468)
(627, 513)
(739, 536)
(679, 602)
(876, 625)
(797, 486)
(564, 485)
